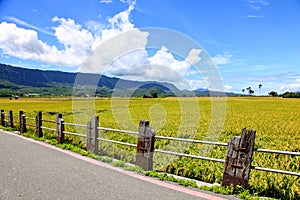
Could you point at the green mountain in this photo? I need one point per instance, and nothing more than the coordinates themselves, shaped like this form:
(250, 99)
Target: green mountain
(21, 81)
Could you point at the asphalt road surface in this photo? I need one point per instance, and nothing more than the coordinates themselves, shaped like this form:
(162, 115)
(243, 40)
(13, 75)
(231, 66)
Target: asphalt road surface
(31, 170)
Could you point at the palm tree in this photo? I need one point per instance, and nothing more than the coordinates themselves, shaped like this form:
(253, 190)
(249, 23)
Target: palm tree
(259, 86)
(248, 88)
(250, 91)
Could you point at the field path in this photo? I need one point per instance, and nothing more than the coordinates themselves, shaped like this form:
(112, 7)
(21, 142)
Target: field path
(31, 169)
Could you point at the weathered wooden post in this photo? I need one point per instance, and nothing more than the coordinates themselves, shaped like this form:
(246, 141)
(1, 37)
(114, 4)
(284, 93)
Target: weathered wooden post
(38, 120)
(23, 128)
(2, 118)
(10, 119)
(238, 159)
(92, 135)
(60, 128)
(20, 116)
(145, 146)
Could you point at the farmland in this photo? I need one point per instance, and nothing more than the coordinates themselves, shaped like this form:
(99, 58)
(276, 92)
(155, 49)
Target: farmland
(276, 120)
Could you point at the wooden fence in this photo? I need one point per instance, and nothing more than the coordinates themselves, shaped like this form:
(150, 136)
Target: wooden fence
(237, 162)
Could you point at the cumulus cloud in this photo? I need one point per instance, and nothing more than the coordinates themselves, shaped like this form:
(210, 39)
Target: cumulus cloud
(164, 57)
(78, 42)
(125, 56)
(193, 57)
(121, 21)
(291, 87)
(24, 44)
(75, 39)
(117, 53)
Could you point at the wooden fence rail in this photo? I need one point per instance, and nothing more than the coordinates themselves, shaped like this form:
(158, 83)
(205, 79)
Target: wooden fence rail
(237, 163)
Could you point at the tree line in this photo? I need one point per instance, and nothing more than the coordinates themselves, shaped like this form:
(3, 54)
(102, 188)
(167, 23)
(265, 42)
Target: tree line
(273, 93)
(285, 95)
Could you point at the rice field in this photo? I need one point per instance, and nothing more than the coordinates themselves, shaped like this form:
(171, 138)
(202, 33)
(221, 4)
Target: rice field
(276, 120)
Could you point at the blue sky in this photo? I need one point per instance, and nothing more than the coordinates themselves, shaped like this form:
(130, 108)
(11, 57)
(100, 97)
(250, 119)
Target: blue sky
(249, 41)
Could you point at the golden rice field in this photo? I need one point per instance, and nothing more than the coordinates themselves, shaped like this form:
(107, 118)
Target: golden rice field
(276, 120)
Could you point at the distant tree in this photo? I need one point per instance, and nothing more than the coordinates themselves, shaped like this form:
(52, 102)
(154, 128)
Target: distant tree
(259, 86)
(250, 91)
(273, 94)
(154, 94)
(291, 95)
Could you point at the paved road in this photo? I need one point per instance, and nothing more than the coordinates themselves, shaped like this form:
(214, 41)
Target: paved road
(29, 170)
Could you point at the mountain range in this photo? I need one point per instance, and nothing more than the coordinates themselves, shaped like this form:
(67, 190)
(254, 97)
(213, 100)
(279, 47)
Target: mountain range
(21, 81)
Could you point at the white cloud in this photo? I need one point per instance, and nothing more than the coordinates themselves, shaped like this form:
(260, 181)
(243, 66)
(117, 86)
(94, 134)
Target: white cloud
(151, 72)
(193, 57)
(257, 5)
(95, 27)
(24, 43)
(228, 87)
(125, 56)
(78, 42)
(21, 22)
(128, 63)
(119, 23)
(260, 2)
(222, 59)
(165, 58)
(257, 8)
(123, 47)
(255, 16)
(105, 1)
(260, 67)
(291, 87)
(196, 84)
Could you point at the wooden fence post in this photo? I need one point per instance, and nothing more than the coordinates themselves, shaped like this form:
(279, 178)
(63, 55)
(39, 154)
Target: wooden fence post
(20, 116)
(145, 146)
(10, 119)
(60, 128)
(238, 159)
(23, 128)
(92, 135)
(2, 118)
(38, 120)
